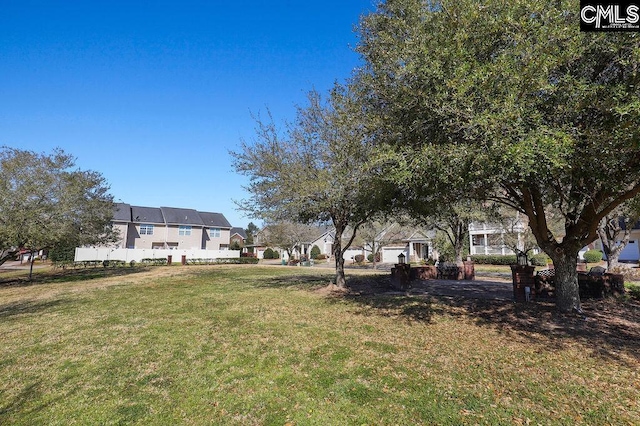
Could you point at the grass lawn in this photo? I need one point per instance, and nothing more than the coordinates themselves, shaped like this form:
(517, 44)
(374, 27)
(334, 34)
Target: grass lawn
(267, 345)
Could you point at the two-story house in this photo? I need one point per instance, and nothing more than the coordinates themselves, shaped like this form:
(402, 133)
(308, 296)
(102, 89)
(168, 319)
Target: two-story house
(170, 228)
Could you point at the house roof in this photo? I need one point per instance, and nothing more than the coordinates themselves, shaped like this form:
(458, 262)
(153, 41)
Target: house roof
(178, 216)
(418, 237)
(239, 231)
(214, 219)
(122, 213)
(146, 214)
(169, 215)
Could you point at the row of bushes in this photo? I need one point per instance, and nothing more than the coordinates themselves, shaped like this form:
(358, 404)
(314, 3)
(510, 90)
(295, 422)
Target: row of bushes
(540, 259)
(203, 261)
(159, 261)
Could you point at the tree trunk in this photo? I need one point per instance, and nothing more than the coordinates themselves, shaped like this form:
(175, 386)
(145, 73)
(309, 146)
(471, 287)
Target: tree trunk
(566, 280)
(32, 258)
(375, 255)
(341, 281)
(458, 250)
(612, 258)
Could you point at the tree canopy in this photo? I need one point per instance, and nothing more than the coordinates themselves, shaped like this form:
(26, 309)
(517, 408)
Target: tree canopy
(45, 201)
(513, 102)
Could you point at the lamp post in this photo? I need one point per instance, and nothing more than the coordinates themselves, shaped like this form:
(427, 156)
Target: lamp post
(401, 258)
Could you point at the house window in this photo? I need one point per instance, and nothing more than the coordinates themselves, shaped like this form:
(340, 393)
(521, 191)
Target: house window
(146, 229)
(478, 240)
(184, 230)
(214, 232)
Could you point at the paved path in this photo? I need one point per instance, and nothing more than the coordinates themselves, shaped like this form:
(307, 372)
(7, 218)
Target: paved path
(477, 289)
(13, 265)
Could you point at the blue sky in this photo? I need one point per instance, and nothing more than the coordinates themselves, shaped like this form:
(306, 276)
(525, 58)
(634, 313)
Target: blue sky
(153, 94)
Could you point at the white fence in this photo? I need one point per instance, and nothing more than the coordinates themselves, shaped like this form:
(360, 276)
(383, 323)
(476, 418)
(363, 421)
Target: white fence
(128, 255)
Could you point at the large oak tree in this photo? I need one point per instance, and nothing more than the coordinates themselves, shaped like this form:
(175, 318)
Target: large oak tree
(514, 99)
(45, 201)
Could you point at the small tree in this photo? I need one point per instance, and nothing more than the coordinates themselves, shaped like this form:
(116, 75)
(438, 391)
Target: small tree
(315, 252)
(615, 230)
(251, 230)
(289, 235)
(313, 172)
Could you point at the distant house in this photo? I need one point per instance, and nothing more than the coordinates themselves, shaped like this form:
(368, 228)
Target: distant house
(490, 238)
(238, 235)
(170, 228)
(416, 244)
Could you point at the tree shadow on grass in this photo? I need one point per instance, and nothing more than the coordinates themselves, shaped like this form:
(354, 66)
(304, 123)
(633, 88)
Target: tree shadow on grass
(610, 328)
(31, 400)
(305, 282)
(67, 275)
(27, 307)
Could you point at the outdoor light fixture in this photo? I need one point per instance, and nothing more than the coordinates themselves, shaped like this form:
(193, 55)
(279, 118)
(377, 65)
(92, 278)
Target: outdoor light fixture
(401, 258)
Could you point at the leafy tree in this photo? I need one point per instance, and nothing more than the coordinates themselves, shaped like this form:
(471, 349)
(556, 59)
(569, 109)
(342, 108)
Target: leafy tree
(251, 230)
(235, 245)
(511, 100)
(45, 202)
(315, 252)
(314, 172)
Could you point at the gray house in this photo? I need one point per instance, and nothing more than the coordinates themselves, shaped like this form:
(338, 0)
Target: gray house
(170, 228)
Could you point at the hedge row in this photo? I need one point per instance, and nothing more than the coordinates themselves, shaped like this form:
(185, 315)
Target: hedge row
(231, 261)
(509, 259)
(93, 263)
(63, 264)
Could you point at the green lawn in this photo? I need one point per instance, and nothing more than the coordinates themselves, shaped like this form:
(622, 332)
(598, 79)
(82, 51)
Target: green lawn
(265, 345)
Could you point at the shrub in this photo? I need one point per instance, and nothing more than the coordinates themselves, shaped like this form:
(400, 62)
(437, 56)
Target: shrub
(592, 256)
(315, 252)
(493, 259)
(154, 261)
(269, 254)
(540, 259)
(359, 258)
(370, 257)
(62, 253)
(321, 257)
